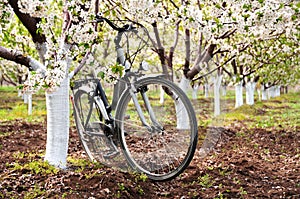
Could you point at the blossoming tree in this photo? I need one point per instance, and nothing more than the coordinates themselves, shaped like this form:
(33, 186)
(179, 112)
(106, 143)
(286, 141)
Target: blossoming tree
(60, 31)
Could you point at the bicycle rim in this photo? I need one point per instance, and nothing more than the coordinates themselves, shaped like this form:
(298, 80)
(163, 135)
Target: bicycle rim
(161, 153)
(91, 128)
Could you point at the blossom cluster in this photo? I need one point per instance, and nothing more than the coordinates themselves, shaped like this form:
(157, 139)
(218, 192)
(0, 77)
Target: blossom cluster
(264, 32)
(61, 46)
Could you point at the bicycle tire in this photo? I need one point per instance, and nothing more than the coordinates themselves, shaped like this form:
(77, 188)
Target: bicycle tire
(164, 154)
(89, 123)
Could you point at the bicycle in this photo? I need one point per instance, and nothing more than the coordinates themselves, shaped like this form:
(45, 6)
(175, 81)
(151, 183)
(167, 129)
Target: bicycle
(152, 136)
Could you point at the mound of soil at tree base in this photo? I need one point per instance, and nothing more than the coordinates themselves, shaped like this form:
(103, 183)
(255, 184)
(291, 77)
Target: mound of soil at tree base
(245, 163)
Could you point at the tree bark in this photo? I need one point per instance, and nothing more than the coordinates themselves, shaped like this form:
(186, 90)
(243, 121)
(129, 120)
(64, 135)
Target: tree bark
(29, 22)
(160, 50)
(205, 59)
(186, 67)
(58, 125)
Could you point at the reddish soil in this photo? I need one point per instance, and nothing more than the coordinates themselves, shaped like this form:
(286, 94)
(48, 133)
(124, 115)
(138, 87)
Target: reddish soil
(246, 163)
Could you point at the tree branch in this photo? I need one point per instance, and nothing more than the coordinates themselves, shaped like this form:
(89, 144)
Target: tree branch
(160, 50)
(29, 22)
(206, 57)
(19, 58)
(172, 48)
(227, 34)
(217, 68)
(7, 79)
(199, 52)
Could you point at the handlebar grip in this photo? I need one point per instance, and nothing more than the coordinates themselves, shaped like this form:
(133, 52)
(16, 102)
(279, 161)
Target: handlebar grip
(100, 18)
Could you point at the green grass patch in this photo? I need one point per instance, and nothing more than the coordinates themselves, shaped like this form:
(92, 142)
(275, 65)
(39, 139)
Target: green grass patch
(35, 167)
(35, 192)
(283, 112)
(20, 111)
(12, 106)
(82, 164)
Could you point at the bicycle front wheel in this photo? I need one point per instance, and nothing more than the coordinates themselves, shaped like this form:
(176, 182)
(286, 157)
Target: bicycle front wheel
(159, 135)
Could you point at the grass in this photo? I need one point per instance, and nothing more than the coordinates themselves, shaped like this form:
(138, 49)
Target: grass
(282, 111)
(36, 167)
(12, 106)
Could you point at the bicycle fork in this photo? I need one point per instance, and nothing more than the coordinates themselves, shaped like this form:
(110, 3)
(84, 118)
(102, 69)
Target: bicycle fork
(156, 125)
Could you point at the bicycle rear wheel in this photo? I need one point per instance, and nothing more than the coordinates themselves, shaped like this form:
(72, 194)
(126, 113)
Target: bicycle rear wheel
(164, 148)
(90, 123)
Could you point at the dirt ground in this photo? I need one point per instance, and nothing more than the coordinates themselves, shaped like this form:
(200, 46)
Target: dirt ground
(246, 163)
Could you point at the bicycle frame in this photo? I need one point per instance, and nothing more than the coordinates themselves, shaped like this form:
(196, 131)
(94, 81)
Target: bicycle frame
(105, 108)
(121, 59)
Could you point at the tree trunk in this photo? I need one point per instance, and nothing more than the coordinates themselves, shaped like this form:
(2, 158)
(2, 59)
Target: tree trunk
(223, 90)
(182, 115)
(271, 91)
(29, 95)
(277, 91)
(58, 125)
(206, 90)
(161, 96)
(195, 91)
(250, 88)
(264, 93)
(238, 95)
(217, 104)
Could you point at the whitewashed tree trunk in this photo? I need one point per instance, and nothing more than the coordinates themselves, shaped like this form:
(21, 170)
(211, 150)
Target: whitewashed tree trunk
(58, 125)
(259, 94)
(25, 98)
(181, 114)
(250, 88)
(58, 113)
(161, 96)
(277, 91)
(206, 90)
(29, 96)
(217, 104)
(264, 93)
(271, 92)
(195, 91)
(238, 94)
(223, 90)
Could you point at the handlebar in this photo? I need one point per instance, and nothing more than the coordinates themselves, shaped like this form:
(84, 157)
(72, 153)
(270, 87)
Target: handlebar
(127, 27)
